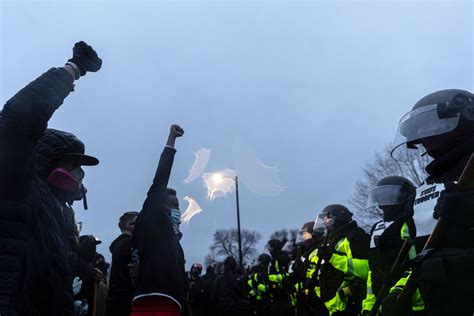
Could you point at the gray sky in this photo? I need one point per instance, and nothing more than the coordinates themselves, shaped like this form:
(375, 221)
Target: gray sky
(314, 87)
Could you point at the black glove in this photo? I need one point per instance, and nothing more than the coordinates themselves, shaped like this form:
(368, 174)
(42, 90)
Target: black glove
(85, 58)
(325, 253)
(393, 305)
(455, 206)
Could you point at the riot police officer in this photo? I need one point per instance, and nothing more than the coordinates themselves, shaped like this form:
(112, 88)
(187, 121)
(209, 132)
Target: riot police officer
(277, 278)
(343, 274)
(257, 282)
(393, 197)
(442, 125)
(309, 239)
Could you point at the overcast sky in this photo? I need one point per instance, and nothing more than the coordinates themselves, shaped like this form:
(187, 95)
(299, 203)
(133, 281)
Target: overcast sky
(313, 87)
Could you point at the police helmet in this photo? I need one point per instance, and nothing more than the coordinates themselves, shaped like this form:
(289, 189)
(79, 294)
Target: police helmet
(264, 259)
(339, 212)
(390, 196)
(436, 114)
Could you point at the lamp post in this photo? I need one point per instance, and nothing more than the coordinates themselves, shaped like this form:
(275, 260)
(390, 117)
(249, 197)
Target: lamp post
(238, 221)
(218, 177)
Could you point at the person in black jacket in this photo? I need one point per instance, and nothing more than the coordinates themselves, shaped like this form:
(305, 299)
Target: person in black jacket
(161, 282)
(209, 279)
(196, 292)
(119, 299)
(40, 177)
(228, 293)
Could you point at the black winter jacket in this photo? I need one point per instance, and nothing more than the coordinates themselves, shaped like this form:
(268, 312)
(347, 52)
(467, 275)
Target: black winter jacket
(120, 286)
(35, 229)
(161, 258)
(228, 294)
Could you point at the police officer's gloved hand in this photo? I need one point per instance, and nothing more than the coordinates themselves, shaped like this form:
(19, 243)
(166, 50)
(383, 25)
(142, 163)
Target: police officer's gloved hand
(325, 253)
(455, 206)
(85, 58)
(395, 305)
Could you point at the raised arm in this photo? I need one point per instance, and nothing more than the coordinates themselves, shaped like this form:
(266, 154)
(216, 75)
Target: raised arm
(156, 197)
(25, 116)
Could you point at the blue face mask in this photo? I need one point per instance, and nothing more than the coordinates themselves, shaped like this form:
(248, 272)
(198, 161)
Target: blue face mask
(175, 216)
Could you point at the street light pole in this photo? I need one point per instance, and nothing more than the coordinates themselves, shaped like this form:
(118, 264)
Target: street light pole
(238, 222)
(218, 177)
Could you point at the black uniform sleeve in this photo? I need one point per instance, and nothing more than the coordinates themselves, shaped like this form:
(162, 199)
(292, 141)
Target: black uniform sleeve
(22, 122)
(360, 244)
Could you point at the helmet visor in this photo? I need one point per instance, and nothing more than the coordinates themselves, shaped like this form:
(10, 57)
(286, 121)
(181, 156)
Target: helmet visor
(299, 240)
(421, 123)
(318, 223)
(288, 247)
(323, 220)
(385, 195)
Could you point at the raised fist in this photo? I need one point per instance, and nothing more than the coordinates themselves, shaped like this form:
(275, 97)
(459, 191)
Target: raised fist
(176, 131)
(85, 58)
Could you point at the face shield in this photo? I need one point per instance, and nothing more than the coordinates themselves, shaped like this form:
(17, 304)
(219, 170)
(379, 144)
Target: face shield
(383, 196)
(268, 248)
(323, 221)
(318, 228)
(299, 239)
(289, 247)
(386, 195)
(423, 122)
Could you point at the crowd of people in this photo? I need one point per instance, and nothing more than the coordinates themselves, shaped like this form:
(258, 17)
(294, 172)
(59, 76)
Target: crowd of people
(418, 259)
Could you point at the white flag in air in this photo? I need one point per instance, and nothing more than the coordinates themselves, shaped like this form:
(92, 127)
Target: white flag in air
(193, 209)
(202, 157)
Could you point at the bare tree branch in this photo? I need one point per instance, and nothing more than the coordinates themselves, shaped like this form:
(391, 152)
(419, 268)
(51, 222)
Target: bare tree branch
(383, 165)
(285, 234)
(226, 244)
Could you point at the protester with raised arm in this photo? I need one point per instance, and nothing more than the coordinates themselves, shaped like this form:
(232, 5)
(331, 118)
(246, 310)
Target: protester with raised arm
(40, 177)
(161, 281)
